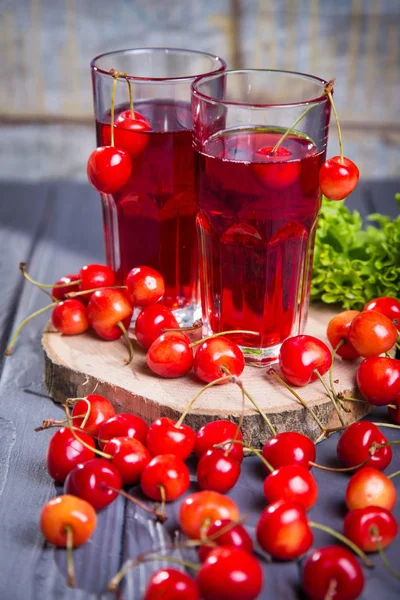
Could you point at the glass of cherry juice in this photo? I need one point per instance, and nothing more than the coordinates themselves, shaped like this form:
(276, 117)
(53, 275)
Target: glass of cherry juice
(259, 201)
(151, 220)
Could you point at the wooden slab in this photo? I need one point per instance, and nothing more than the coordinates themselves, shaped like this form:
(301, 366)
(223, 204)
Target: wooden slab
(76, 365)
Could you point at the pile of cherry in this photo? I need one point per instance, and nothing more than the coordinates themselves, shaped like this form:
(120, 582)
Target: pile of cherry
(97, 453)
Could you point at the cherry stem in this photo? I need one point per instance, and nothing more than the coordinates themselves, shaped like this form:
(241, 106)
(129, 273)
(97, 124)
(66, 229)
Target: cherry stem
(115, 75)
(239, 425)
(221, 333)
(298, 398)
(162, 494)
(282, 139)
(390, 425)
(206, 387)
(251, 449)
(339, 469)
(328, 91)
(85, 292)
(394, 474)
(16, 333)
(329, 394)
(331, 591)
(161, 517)
(72, 430)
(344, 540)
(331, 382)
(131, 107)
(128, 341)
(22, 268)
(375, 532)
(70, 561)
(196, 325)
(72, 401)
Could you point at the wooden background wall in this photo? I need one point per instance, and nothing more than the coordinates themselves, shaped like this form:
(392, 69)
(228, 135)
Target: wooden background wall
(46, 121)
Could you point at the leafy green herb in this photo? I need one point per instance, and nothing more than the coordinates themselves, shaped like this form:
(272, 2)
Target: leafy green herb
(353, 265)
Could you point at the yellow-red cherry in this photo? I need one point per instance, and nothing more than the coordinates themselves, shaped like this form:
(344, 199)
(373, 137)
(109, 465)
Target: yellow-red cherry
(372, 333)
(109, 169)
(166, 437)
(145, 286)
(65, 512)
(291, 482)
(100, 409)
(338, 331)
(70, 317)
(370, 487)
(65, 452)
(152, 321)
(332, 572)
(370, 527)
(215, 353)
(92, 481)
(171, 584)
(108, 307)
(170, 355)
(165, 477)
(199, 510)
(338, 177)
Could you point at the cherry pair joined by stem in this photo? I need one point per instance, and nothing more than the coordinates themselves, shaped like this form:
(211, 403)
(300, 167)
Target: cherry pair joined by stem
(128, 132)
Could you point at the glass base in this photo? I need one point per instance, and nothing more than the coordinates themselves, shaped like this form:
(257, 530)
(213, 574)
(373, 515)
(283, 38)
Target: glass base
(260, 357)
(187, 315)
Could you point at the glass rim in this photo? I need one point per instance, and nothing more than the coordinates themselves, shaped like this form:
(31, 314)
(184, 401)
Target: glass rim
(210, 99)
(97, 69)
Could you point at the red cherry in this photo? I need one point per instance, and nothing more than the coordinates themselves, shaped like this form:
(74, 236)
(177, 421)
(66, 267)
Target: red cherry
(107, 308)
(100, 411)
(370, 487)
(168, 472)
(145, 286)
(92, 480)
(170, 355)
(201, 509)
(338, 330)
(69, 317)
(59, 292)
(283, 530)
(171, 584)
(151, 322)
(291, 482)
(394, 413)
(332, 572)
(109, 169)
(301, 356)
(218, 432)
(372, 333)
(231, 535)
(129, 133)
(96, 276)
(230, 573)
(356, 442)
(67, 511)
(165, 437)
(215, 353)
(276, 170)
(217, 472)
(336, 179)
(123, 425)
(65, 452)
(367, 526)
(289, 448)
(378, 379)
(388, 306)
(129, 456)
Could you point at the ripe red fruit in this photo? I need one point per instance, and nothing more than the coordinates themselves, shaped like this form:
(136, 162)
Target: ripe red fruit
(378, 379)
(168, 472)
(332, 572)
(100, 411)
(388, 306)
(59, 292)
(228, 535)
(370, 487)
(291, 482)
(96, 276)
(276, 170)
(355, 444)
(109, 169)
(217, 432)
(69, 317)
(336, 179)
(67, 511)
(370, 525)
(201, 509)
(230, 573)
(301, 356)
(165, 437)
(145, 286)
(123, 425)
(65, 452)
(289, 448)
(372, 333)
(151, 323)
(92, 480)
(283, 530)
(170, 355)
(217, 472)
(215, 353)
(128, 133)
(129, 456)
(338, 330)
(108, 307)
(171, 584)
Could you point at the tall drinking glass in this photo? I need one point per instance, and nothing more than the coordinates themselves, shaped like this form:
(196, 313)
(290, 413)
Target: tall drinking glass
(259, 201)
(151, 220)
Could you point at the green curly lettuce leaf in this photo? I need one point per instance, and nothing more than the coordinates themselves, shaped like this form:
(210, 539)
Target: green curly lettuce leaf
(353, 265)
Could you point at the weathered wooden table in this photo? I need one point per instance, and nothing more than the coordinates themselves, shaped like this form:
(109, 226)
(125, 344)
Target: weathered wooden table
(56, 228)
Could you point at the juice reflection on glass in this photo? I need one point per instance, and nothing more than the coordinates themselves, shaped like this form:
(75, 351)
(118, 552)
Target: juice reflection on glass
(151, 220)
(258, 208)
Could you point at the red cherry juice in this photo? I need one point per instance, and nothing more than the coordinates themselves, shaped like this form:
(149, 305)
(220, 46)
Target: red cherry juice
(151, 220)
(257, 219)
